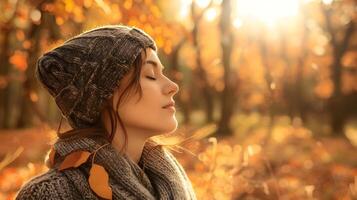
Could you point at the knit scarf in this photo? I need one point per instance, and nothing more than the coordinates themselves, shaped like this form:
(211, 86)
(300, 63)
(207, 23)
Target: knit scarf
(158, 175)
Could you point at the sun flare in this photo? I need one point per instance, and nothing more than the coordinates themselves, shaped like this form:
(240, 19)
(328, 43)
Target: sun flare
(266, 11)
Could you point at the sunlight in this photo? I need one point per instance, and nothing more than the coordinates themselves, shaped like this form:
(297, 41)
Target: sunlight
(202, 3)
(210, 14)
(267, 11)
(184, 8)
(237, 23)
(327, 2)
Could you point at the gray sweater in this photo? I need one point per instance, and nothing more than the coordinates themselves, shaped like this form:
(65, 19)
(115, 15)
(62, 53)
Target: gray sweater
(50, 185)
(162, 177)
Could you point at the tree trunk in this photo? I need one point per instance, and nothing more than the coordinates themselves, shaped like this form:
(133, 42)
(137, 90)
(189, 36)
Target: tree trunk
(228, 95)
(29, 109)
(4, 73)
(293, 90)
(199, 71)
(6, 29)
(339, 48)
(269, 81)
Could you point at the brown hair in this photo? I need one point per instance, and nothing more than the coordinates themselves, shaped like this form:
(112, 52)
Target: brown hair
(134, 83)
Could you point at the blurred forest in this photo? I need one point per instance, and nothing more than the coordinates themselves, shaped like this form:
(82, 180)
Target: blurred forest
(268, 89)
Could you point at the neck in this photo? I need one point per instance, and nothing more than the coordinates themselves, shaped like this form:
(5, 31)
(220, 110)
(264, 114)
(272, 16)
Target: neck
(135, 145)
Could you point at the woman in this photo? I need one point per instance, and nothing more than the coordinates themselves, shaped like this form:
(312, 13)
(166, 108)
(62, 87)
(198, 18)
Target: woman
(109, 84)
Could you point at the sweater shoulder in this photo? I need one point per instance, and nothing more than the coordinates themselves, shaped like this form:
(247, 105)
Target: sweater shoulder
(49, 185)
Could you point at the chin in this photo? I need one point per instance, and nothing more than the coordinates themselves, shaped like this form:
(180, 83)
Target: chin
(174, 125)
(170, 127)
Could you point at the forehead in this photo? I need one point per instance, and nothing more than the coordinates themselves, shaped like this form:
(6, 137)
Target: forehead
(151, 55)
(152, 59)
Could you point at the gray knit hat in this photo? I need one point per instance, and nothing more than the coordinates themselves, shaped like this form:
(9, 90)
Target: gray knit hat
(83, 72)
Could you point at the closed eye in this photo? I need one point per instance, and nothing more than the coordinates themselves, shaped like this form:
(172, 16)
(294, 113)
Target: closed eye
(151, 78)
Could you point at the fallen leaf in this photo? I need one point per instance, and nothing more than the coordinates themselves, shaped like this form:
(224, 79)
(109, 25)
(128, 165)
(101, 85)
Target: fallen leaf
(99, 181)
(74, 159)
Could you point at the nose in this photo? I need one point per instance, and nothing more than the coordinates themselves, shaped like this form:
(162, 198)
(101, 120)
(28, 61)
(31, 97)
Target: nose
(171, 88)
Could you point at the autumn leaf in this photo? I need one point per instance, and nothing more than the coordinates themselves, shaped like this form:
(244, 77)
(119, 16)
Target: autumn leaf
(75, 159)
(99, 181)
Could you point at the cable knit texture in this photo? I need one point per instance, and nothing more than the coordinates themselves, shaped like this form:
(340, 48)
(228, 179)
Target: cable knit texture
(84, 71)
(158, 175)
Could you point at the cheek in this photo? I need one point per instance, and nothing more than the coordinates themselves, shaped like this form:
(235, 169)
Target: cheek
(147, 113)
(145, 109)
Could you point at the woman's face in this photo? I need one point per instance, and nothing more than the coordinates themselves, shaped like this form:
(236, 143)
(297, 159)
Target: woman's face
(149, 114)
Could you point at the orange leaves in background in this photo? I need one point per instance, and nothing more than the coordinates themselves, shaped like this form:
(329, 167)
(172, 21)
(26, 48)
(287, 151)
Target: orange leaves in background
(12, 178)
(324, 89)
(98, 181)
(353, 188)
(19, 60)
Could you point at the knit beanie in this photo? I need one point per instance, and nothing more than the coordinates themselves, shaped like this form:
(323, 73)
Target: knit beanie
(84, 72)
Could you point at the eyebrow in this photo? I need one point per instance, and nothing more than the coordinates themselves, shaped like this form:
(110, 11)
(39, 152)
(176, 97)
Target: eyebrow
(153, 63)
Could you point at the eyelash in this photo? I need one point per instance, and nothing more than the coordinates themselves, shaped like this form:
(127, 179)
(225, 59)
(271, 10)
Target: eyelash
(151, 78)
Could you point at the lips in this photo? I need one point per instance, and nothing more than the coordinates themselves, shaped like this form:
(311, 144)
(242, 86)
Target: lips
(172, 103)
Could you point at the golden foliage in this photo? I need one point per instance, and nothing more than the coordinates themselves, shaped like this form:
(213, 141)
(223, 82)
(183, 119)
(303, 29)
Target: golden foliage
(294, 166)
(12, 178)
(324, 89)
